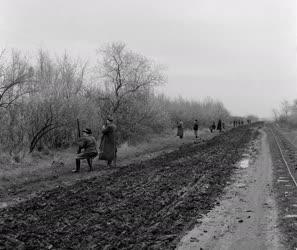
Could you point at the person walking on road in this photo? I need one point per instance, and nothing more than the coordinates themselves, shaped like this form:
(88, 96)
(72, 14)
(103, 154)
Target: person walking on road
(180, 129)
(195, 127)
(107, 147)
(89, 144)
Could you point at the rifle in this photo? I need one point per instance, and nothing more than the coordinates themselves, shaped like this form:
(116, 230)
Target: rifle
(78, 129)
(78, 133)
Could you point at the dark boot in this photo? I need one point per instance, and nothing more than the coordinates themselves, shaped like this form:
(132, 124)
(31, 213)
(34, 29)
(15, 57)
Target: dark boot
(90, 164)
(77, 169)
(109, 163)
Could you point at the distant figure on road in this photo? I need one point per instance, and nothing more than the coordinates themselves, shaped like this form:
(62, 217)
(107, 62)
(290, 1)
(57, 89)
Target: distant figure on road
(223, 125)
(219, 126)
(107, 147)
(212, 127)
(89, 144)
(180, 129)
(195, 127)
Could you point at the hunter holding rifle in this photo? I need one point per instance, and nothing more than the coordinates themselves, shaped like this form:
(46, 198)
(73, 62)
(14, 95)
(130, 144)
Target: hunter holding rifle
(88, 143)
(108, 150)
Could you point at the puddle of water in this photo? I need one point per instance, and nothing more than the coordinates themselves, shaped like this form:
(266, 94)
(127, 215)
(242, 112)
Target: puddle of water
(291, 216)
(3, 204)
(240, 185)
(244, 163)
(282, 180)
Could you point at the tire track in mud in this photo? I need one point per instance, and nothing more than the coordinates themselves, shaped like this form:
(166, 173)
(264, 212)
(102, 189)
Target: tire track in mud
(146, 205)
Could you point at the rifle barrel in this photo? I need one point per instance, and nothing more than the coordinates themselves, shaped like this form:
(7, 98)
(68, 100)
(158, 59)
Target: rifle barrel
(78, 128)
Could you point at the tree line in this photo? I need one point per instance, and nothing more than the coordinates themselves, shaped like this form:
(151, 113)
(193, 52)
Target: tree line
(286, 114)
(41, 98)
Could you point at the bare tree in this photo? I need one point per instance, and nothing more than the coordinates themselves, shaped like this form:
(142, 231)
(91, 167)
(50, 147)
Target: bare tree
(46, 123)
(14, 75)
(294, 108)
(275, 114)
(125, 73)
(55, 104)
(285, 109)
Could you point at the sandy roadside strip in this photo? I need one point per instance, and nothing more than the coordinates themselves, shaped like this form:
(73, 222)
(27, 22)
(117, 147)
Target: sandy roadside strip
(246, 216)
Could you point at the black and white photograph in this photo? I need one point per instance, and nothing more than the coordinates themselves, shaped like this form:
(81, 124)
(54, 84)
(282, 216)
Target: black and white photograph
(148, 125)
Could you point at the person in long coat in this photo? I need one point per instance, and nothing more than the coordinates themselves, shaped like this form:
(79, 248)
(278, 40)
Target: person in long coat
(180, 129)
(108, 147)
(195, 128)
(219, 126)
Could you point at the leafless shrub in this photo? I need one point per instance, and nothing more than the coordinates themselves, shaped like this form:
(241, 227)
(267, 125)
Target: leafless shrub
(15, 74)
(40, 101)
(204, 111)
(286, 115)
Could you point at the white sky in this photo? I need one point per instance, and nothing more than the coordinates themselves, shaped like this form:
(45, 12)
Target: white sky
(242, 52)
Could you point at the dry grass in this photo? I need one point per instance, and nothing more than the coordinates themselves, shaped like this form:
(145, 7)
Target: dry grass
(291, 134)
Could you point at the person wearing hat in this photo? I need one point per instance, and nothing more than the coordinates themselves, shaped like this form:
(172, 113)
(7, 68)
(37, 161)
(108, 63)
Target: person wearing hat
(107, 147)
(219, 126)
(180, 129)
(89, 144)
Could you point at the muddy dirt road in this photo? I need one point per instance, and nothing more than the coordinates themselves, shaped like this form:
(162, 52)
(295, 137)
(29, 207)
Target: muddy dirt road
(247, 215)
(147, 205)
(22, 182)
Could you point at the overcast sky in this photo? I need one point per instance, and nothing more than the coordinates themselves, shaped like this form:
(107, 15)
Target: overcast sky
(242, 52)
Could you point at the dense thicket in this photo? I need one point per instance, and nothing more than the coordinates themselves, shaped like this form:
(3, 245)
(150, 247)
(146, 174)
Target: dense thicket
(286, 115)
(42, 97)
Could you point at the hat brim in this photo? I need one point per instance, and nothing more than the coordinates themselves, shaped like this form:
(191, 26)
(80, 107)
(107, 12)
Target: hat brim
(87, 132)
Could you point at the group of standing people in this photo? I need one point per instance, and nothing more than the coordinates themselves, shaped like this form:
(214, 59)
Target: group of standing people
(237, 123)
(180, 128)
(220, 126)
(108, 150)
(88, 143)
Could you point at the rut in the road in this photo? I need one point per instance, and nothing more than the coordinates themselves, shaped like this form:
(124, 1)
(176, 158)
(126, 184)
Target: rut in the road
(145, 205)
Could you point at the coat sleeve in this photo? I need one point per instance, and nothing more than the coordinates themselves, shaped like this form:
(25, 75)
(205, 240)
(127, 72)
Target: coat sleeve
(81, 142)
(107, 130)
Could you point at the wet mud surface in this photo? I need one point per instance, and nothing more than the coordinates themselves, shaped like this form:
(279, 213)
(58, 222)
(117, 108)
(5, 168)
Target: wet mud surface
(145, 205)
(246, 216)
